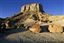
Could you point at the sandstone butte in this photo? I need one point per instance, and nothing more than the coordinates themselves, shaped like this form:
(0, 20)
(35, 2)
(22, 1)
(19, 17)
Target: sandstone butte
(31, 14)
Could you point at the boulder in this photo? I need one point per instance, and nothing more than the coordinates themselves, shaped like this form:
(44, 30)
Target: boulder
(55, 28)
(35, 28)
(9, 25)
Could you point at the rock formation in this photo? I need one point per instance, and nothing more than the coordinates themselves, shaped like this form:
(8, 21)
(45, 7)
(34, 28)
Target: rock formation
(55, 28)
(35, 7)
(31, 13)
(35, 28)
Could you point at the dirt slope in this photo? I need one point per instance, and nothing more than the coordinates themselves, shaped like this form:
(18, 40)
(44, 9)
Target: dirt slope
(22, 36)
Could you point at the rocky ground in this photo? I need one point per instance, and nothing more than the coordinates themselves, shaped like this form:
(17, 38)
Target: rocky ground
(22, 36)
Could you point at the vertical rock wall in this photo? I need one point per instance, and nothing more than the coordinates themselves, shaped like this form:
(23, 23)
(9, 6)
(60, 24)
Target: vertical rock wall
(35, 7)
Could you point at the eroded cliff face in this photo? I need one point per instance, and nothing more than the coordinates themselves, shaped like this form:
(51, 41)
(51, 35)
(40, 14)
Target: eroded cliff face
(35, 7)
(32, 12)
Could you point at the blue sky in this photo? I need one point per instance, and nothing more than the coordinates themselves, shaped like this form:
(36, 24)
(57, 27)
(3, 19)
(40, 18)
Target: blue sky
(11, 7)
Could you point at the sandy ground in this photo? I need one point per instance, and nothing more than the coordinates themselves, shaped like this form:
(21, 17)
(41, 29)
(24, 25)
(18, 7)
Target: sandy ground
(22, 36)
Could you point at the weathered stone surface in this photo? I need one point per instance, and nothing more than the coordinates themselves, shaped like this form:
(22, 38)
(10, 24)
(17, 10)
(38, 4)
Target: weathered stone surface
(35, 7)
(7, 24)
(43, 17)
(56, 18)
(35, 28)
(55, 28)
(32, 12)
(28, 22)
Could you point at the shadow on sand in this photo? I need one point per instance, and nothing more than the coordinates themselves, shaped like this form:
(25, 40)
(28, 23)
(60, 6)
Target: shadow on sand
(11, 31)
(17, 30)
(44, 28)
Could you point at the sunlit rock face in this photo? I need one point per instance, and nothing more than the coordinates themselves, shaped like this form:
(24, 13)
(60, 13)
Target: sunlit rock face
(55, 28)
(8, 24)
(35, 7)
(35, 28)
